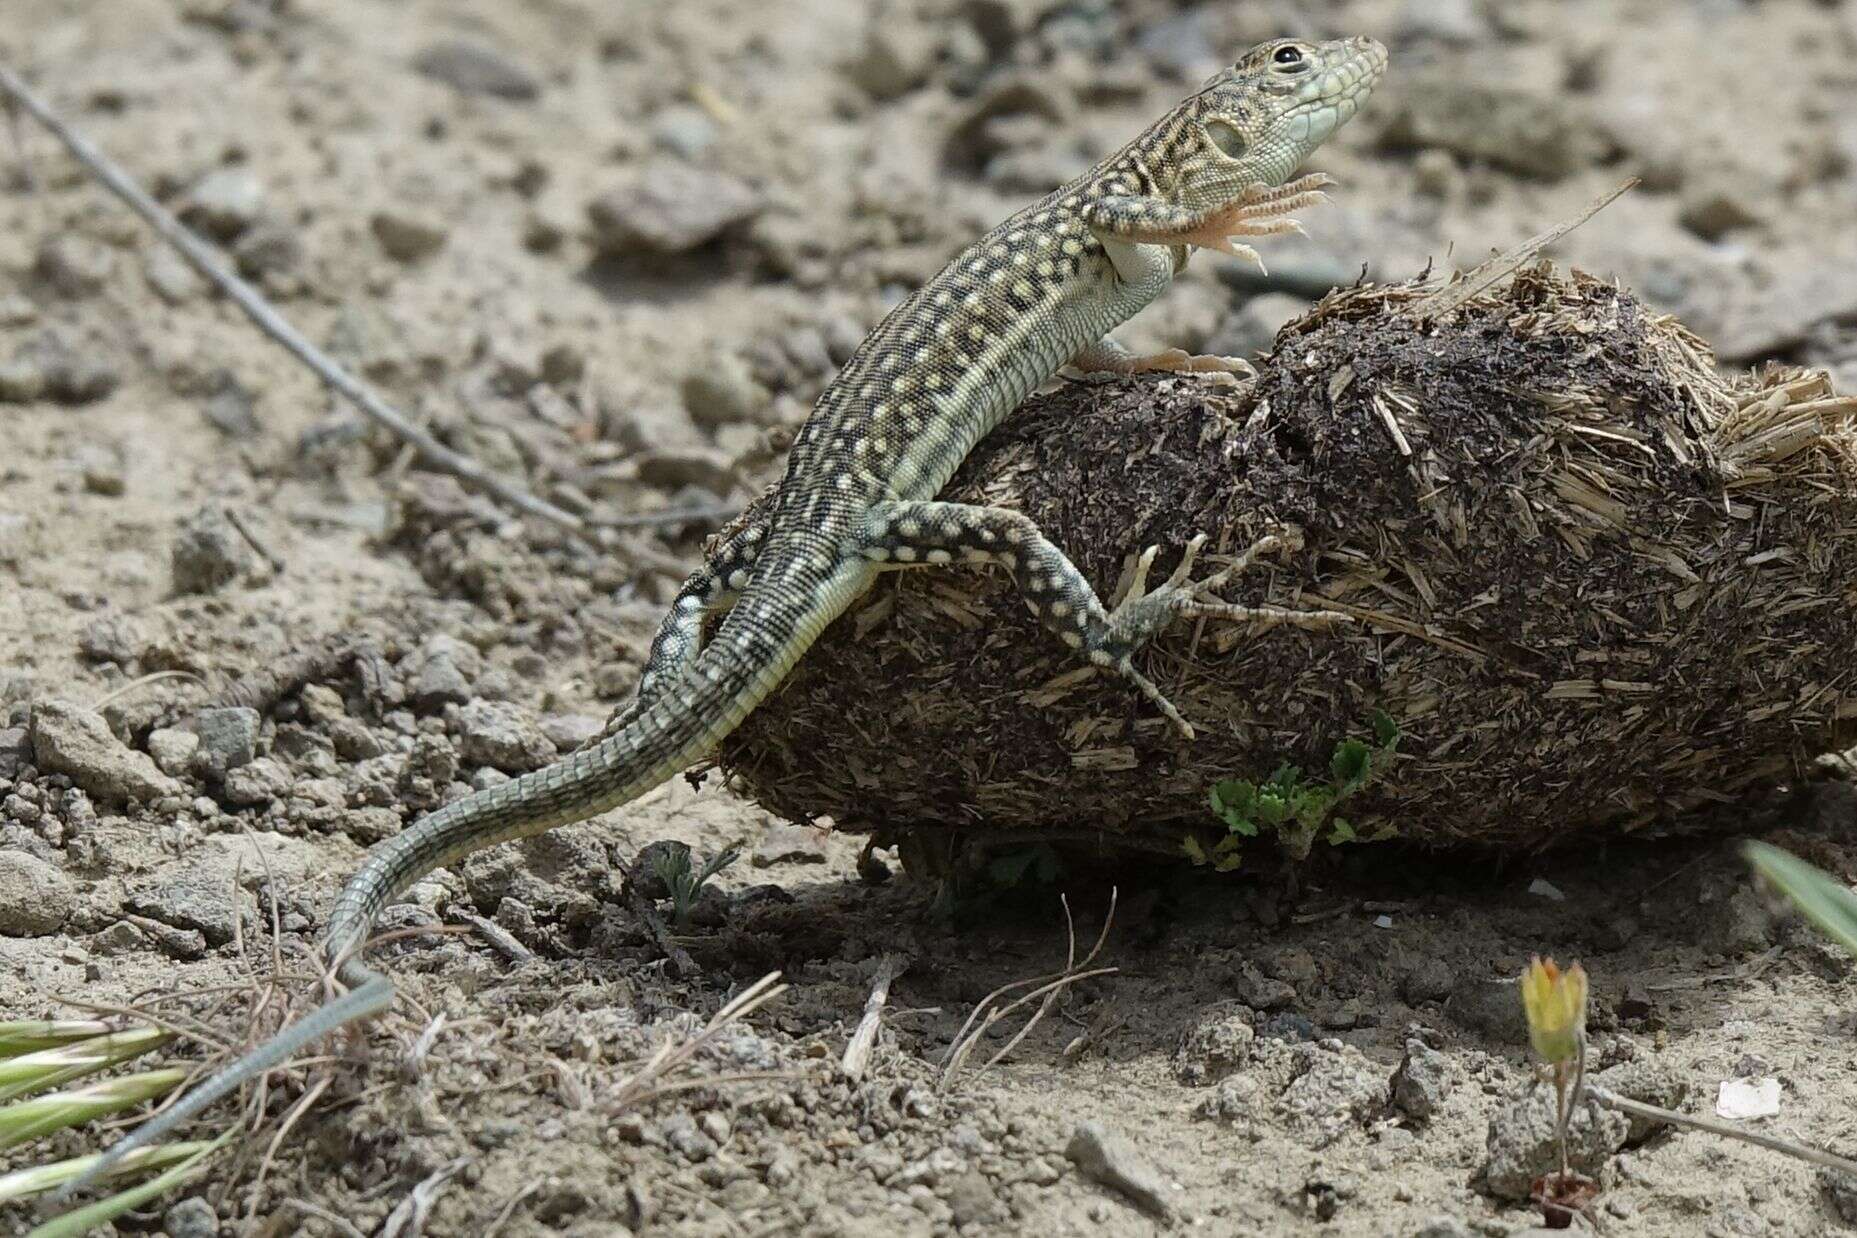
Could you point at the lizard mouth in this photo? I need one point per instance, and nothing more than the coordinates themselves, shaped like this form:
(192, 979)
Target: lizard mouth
(1338, 92)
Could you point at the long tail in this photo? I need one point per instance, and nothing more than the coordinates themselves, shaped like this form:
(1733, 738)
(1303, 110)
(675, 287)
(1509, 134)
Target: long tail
(731, 676)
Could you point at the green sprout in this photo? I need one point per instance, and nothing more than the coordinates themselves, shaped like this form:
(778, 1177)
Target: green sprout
(672, 866)
(1022, 866)
(1299, 809)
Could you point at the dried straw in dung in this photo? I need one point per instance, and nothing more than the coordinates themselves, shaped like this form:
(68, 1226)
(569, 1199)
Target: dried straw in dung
(1595, 584)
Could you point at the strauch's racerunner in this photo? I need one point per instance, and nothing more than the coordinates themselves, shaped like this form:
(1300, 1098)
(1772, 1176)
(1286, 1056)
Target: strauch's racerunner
(1040, 291)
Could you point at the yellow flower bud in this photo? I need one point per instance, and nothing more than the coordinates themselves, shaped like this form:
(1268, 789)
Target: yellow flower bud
(1555, 1002)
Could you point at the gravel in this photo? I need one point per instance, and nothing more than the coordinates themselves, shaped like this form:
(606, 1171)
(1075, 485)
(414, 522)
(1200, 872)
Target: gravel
(408, 236)
(74, 266)
(228, 739)
(1541, 137)
(173, 749)
(257, 783)
(1521, 1144)
(1422, 1083)
(199, 898)
(721, 391)
(71, 740)
(503, 735)
(1215, 1046)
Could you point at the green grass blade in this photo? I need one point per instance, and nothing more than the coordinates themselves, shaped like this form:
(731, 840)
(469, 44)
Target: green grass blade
(28, 1035)
(80, 1221)
(37, 1179)
(1820, 897)
(49, 1068)
(28, 1119)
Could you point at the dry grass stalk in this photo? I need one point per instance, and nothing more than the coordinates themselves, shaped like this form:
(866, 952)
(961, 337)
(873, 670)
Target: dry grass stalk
(649, 1081)
(1048, 987)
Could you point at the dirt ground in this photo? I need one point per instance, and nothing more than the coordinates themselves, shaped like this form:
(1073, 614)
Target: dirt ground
(457, 199)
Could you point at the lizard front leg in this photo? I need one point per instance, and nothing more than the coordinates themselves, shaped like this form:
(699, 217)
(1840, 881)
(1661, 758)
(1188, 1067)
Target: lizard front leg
(714, 586)
(910, 533)
(1258, 210)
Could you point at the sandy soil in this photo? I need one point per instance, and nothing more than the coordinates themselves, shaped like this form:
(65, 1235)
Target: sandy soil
(430, 190)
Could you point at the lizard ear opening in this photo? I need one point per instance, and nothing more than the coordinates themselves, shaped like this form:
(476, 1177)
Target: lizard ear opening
(1226, 138)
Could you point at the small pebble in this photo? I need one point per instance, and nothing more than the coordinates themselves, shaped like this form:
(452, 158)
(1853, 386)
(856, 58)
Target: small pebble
(208, 553)
(669, 207)
(475, 69)
(191, 1218)
(225, 202)
(22, 379)
(171, 277)
(71, 740)
(74, 266)
(720, 390)
(1111, 1161)
(228, 739)
(35, 898)
(683, 130)
(407, 236)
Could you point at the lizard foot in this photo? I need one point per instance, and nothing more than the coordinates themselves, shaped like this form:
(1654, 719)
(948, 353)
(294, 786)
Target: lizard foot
(1178, 361)
(1259, 210)
(1143, 614)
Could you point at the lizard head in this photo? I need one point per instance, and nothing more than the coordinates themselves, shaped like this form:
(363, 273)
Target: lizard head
(1258, 120)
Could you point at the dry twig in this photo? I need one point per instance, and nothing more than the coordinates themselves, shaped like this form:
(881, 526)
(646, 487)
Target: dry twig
(273, 324)
(864, 1038)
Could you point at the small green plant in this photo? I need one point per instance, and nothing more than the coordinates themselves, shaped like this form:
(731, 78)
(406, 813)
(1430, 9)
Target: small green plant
(1820, 897)
(37, 1056)
(1023, 866)
(672, 865)
(1299, 809)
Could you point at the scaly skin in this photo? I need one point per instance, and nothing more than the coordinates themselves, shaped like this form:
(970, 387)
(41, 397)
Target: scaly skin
(947, 365)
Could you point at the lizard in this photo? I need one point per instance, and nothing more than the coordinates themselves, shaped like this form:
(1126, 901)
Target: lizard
(1040, 291)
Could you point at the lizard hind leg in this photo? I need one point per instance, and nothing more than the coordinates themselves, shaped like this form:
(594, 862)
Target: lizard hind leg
(679, 639)
(1107, 356)
(910, 533)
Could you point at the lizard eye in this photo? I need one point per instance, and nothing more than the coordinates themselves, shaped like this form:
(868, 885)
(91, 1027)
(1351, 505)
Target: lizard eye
(1289, 56)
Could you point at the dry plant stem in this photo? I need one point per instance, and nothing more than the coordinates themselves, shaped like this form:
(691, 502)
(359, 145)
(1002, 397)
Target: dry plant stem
(1638, 1109)
(509, 1209)
(408, 1219)
(707, 514)
(275, 560)
(864, 1038)
(284, 1128)
(674, 954)
(1485, 275)
(499, 938)
(273, 324)
(642, 1084)
(339, 1224)
(135, 685)
(1048, 987)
